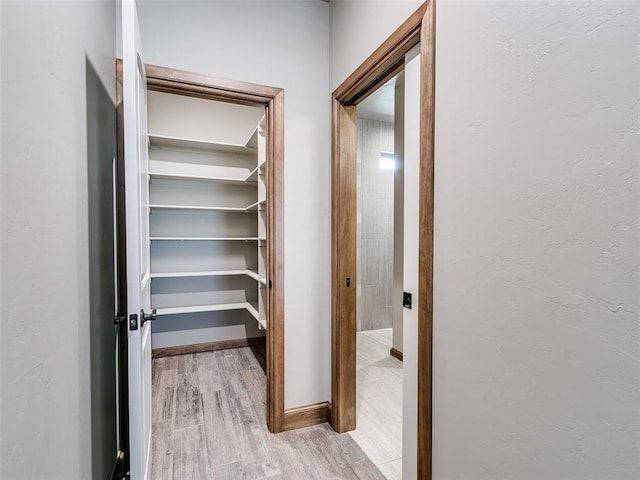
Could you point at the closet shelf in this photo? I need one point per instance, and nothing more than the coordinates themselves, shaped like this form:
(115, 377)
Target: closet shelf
(180, 142)
(205, 239)
(202, 178)
(257, 206)
(218, 307)
(200, 208)
(252, 309)
(211, 273)
(253, 275)
(253, 175)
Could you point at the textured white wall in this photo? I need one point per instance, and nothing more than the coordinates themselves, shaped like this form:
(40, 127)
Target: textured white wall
(44, 350)
(537, 241)
(358, 27)
(284, 44)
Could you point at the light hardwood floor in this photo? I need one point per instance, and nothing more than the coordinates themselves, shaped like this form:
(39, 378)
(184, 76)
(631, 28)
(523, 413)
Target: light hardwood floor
(379, 402)
(209, 423)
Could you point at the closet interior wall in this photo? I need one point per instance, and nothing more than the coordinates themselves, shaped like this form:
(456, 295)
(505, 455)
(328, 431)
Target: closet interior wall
(207, 220)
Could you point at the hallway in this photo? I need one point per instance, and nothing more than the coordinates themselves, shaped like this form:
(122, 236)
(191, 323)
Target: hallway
(208, 422)
(379, 402)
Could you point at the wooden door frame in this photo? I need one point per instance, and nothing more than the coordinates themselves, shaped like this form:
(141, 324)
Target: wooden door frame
(383, 64)
(179, 82)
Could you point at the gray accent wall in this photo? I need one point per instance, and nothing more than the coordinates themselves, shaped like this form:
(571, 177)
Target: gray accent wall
(375, 226)
(101, 151)
(46, 284)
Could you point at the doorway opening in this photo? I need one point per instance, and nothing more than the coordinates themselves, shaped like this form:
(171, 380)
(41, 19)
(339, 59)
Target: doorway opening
(211, 229)
(208, 258)
(207, 224)
(384, 63)
(379, 279)
(265, 296)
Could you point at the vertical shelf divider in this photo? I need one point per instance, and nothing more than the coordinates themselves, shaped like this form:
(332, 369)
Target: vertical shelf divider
(262, 227)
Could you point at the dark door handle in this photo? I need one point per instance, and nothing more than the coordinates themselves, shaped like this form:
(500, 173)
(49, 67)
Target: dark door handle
(148, 317)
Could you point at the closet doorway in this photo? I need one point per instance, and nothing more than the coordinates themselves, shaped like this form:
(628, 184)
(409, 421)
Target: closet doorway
(415, 40)
(211, 236)
(163, 80)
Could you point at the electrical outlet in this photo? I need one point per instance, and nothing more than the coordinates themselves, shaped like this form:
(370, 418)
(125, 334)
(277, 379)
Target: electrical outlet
(406, 299)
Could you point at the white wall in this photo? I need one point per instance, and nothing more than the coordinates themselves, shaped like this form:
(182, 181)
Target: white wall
(410, 264)
(44, 351)
(537, 241)
(283, 44)
(358, 27)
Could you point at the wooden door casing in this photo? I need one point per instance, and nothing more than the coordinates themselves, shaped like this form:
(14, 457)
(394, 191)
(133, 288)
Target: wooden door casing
(179, 82)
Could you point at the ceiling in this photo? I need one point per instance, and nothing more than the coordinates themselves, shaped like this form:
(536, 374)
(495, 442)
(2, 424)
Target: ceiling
(380, 104)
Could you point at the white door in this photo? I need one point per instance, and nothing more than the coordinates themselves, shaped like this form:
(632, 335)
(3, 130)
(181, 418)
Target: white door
(134, 92)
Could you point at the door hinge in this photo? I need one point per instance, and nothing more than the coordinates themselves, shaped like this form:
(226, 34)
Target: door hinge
(270, 285)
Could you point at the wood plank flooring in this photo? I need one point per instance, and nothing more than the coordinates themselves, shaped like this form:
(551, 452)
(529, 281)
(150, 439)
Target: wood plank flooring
(379, 402)
(209, 423)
